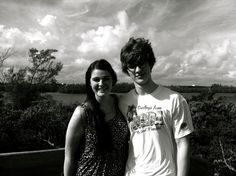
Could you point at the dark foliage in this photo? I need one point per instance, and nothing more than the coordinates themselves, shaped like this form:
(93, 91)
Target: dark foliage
(9, 128)
(21, 95)
(214, 138)
(43, 123)
(40, 126)
(72, 88)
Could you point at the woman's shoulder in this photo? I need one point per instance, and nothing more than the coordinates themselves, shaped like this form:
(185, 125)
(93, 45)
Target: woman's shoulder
(79, 110)
(77, 123)
(79, 114)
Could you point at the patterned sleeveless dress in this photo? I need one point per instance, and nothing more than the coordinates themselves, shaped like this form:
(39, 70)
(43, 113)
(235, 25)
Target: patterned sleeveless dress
(92, 162)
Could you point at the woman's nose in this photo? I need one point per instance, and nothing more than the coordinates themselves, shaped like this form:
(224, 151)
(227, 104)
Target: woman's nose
(101, 82)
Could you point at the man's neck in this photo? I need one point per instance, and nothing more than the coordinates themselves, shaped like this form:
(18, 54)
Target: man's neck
(146, 88)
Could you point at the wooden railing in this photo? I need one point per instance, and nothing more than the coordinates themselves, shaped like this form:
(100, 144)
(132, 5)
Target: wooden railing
(34, 163)
(50, 163)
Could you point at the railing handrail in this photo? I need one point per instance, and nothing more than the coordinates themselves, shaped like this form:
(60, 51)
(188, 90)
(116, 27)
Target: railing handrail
(31, 152)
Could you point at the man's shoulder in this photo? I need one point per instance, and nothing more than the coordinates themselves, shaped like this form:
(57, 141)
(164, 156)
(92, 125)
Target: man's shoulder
(164, 90)
(124, 98)
(167, 92)
(127, 94)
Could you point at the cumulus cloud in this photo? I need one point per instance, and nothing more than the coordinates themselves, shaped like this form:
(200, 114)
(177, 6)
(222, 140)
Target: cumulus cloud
(7, 36)
(106, 38)
(18, 38)
(35, 36)
(211, 61)
(123, 19)
(231, 74)
(209, 55)
(47, 20)
(82, 61)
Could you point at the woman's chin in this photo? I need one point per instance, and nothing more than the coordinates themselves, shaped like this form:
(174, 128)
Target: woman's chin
(101, 94)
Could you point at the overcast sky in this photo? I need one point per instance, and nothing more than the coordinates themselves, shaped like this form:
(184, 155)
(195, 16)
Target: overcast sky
(194, 41)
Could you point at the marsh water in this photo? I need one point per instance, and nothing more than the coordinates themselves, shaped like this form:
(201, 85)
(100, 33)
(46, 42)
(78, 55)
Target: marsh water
(78, 98)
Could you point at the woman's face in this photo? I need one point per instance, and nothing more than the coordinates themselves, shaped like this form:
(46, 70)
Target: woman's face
(101, 82)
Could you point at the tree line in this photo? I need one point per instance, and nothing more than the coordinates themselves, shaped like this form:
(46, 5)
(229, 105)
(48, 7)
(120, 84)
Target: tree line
(122, 88)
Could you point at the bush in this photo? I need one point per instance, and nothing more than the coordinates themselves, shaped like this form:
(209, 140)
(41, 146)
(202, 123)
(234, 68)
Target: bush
(9, 128)
(215, 133)
(41, 126)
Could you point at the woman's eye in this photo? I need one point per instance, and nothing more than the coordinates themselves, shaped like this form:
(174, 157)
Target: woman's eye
(103, 79)
(96, 79)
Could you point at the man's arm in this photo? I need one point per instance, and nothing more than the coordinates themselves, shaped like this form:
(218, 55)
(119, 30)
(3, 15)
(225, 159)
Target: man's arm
(183, 156)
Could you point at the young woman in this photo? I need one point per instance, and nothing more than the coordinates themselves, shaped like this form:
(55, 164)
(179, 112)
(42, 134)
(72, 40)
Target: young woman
(97, 135)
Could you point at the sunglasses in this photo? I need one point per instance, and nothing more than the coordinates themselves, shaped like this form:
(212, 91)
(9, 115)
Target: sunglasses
(132, 66)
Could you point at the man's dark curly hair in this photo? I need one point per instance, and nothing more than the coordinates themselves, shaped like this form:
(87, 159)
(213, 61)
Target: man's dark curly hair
(135, 51)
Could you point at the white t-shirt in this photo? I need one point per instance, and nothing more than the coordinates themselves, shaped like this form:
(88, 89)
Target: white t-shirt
(155, 121)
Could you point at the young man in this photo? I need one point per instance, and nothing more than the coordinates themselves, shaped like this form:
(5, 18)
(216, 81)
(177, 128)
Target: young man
(159, 118)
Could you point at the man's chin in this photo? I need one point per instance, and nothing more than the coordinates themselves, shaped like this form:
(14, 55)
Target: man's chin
(140, 81)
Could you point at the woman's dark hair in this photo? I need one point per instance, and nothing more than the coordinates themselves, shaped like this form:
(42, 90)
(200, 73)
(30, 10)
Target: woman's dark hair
(135, 51)
(104, 139)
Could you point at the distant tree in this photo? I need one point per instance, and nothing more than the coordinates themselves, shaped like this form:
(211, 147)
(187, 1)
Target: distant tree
(23, 84)
(3, 56)
(43, 69)
(217, 88)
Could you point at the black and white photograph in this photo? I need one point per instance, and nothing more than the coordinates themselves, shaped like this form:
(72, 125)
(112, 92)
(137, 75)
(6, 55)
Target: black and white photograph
(117, 88)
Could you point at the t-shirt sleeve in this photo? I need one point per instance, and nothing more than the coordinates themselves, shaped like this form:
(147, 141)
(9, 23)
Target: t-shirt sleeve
(182, 119)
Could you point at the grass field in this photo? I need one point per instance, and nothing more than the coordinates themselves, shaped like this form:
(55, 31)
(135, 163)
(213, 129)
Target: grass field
(67, 98)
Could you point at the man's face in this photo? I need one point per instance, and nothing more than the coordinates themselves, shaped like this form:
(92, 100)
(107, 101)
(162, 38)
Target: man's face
(139, 72)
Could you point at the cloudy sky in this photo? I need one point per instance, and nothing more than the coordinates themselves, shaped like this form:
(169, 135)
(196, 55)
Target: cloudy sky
(194, 40)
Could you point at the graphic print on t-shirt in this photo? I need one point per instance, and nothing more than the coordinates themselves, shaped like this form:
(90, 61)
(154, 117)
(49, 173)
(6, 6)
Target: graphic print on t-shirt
(150, 118)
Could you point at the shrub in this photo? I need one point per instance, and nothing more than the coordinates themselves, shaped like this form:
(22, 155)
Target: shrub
(43, 126)
(215, 133)
(9, 128)
(40, 126)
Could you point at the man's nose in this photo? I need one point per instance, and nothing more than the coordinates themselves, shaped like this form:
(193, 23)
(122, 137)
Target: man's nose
(137, 68)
